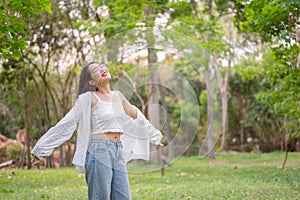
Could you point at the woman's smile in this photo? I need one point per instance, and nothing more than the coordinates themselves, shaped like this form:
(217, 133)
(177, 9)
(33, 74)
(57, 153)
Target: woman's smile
(105, 73)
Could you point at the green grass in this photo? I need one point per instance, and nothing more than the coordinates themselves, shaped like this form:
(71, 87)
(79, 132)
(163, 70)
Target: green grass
(230, 176)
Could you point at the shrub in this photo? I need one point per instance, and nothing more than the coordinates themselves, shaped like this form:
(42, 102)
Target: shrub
(13, 150)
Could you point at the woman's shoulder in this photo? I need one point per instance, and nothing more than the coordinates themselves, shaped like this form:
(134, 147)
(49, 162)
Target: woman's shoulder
(118, 93)
(84, 96)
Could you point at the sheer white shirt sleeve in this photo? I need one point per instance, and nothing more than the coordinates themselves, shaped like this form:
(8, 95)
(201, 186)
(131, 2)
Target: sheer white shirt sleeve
(58, 134)
(136, 137)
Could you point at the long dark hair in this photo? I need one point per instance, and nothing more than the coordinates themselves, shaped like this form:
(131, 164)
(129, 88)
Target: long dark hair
(85, 77)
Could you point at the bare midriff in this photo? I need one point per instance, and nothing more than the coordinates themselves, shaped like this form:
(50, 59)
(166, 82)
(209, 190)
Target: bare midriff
(112, 136)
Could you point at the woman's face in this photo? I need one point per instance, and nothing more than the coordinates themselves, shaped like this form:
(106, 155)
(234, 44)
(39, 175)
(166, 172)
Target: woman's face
(99, 73)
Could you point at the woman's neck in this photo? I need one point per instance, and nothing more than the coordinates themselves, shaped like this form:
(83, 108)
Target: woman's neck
(104, 89)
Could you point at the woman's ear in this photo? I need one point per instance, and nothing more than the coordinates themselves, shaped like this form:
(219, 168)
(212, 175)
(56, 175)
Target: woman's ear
(92, 82)
(91, 85)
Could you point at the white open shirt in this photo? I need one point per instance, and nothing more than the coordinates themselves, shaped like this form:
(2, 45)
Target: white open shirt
(135, 138)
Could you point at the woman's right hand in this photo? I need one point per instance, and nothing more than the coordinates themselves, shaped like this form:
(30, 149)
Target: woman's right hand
(35, 161)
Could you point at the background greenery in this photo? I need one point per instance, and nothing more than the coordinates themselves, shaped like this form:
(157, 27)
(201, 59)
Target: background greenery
(255, 49)
(254, 46)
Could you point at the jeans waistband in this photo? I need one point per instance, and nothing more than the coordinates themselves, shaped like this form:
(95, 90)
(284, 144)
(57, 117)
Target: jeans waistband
(104, 141)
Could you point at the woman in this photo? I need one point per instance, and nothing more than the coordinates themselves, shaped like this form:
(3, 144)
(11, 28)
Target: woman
(109, 128)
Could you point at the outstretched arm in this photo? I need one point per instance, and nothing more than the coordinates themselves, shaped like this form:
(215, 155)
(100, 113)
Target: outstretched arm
(57, 135)
(145, 126)
(128, 108)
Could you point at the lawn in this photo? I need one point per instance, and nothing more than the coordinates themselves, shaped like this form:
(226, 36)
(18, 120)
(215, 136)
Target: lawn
(230, 176)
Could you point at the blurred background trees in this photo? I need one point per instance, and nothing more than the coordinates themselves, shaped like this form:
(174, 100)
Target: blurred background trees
(252, 48)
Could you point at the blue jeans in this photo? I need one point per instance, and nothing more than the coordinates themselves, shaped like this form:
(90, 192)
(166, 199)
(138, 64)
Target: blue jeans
(105, 171)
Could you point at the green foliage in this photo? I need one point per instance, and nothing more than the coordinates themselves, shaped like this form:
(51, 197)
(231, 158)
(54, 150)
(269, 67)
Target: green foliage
(181, 9)
(11, 88)
(48, 71)
(246, 111)
(203, 104)
(283, 94)
(13, 23)
(276, 72)
(13, 150)
(124, 16)
(275, 23)
(204, 31)
(284, 99)
(267, 18)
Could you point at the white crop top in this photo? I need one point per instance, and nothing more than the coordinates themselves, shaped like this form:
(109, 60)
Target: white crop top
(135, 138)
(107, 116)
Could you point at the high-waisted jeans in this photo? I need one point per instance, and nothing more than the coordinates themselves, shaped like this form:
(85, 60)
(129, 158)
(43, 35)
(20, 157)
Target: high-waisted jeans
(106, 173)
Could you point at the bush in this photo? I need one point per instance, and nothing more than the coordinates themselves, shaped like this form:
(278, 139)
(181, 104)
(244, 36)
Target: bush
(13, 150)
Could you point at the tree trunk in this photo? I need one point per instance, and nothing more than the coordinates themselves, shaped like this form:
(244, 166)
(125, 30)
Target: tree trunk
(168, 119)
(224, 86)
(153, 112)
(49, 160)
(287, 140)
(153, 109)
(224, 146)
(242, 137)
(210, 137)
(298, 40)
(69, 155)
(133, 85)
(22, 157)
(244, 110)
(27, 130)
(194, 7)
(61, 156)
(223, 92)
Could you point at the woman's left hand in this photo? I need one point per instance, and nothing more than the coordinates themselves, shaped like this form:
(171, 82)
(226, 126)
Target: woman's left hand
(161, 145)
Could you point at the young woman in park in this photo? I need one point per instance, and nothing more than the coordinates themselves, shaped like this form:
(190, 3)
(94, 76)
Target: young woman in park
(110, 131)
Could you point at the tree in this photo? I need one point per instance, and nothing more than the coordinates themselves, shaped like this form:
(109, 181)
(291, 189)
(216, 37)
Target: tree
(124, 17)
(13, 20)
(127, 17)
(210, 28)
(276, 23)
(54, 55)
(52, 59)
